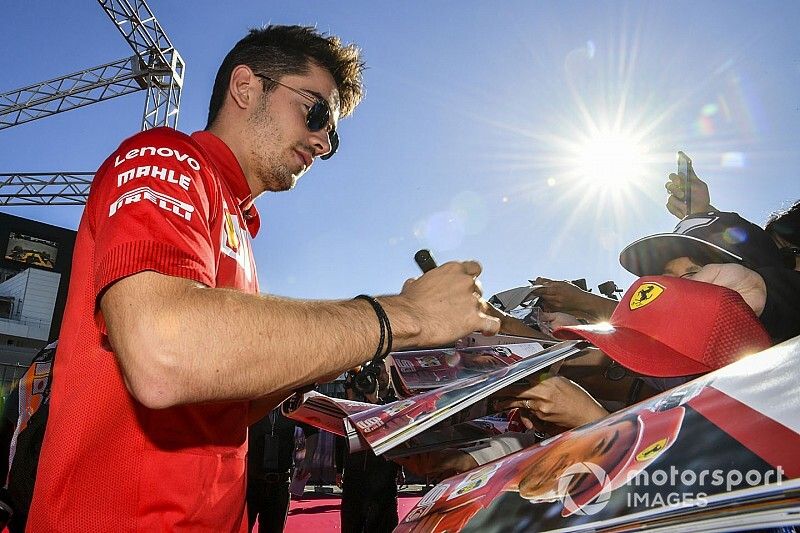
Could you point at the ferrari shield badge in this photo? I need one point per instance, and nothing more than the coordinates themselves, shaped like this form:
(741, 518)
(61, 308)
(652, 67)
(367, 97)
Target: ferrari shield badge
(645, 294)
(230, 232)
(652, 451)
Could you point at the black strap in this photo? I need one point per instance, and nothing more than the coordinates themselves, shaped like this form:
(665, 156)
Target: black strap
(385, 341)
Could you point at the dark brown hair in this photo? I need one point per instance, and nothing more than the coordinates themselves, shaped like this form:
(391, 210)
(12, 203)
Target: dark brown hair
(786, 223)
(285, 50)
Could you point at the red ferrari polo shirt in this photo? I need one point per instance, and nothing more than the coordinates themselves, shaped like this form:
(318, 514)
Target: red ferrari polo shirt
(170, 203)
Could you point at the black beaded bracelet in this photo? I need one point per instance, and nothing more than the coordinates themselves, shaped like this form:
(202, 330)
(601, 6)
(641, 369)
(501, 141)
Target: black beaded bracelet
(385, 342)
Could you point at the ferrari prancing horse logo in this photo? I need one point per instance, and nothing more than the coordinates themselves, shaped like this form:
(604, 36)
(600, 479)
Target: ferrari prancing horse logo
(646, 293)
(652, 451)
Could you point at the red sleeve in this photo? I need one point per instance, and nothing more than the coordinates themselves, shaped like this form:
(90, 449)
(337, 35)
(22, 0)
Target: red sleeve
(151, 204)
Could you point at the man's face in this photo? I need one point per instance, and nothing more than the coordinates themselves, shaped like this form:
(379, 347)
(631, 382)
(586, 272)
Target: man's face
(281, 146)
(605, 446)
(681, 267)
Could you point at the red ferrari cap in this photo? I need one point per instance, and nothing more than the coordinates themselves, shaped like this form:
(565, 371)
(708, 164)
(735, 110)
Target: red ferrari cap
(667, 327)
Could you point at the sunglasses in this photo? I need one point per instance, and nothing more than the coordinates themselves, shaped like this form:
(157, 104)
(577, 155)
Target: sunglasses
(318, 117)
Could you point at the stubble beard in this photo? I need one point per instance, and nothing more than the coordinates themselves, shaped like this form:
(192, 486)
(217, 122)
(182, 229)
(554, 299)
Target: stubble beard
(275, 176)
(271, 172)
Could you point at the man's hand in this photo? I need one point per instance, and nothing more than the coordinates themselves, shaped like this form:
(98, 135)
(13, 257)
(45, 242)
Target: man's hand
(557, 400)
(447, 304)
(561, 296)
(510, 325)
(553, 321)
(565, 297)
(701, 202)
(746, 282)
(440, 464)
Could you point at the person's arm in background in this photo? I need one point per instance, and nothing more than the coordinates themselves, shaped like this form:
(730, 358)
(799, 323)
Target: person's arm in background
(701, 201)
(565, 297)
(510, 325)
(312, 440)
(549, 322)
(557, 400)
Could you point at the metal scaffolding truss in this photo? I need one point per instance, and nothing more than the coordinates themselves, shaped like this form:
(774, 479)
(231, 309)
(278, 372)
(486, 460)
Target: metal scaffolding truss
(71, 91)
(65, 188)
(156, 68)
(163, 64)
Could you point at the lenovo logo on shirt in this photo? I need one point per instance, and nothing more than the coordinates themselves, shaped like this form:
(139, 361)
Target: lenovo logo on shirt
(167, 203)
(162, 151)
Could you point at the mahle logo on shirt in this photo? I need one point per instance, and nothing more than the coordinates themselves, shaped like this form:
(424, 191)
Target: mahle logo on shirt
(152, 171)
(645, 294)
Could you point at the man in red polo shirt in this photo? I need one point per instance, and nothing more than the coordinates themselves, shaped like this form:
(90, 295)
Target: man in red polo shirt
(167, 350)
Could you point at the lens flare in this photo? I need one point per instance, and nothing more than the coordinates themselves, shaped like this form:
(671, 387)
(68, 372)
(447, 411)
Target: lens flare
(611, 160)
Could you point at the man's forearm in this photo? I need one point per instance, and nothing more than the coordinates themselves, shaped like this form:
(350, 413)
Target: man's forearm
(217, 344)
(510, 325)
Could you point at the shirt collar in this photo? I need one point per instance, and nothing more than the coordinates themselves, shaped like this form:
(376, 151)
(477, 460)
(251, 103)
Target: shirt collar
(232, 175)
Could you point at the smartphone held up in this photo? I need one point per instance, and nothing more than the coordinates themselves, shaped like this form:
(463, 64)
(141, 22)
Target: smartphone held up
(685, 172)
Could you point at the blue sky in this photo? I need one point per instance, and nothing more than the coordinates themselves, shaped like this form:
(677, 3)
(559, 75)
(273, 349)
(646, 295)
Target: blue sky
(532, 136)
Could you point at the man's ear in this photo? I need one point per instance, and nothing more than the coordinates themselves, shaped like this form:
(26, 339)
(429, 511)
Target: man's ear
(243, 87)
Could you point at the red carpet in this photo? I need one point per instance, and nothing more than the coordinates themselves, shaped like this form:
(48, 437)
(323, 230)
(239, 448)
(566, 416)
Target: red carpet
(322, 514)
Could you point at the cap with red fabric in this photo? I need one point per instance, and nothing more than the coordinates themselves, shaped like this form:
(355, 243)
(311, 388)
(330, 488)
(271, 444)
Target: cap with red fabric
(667, 327)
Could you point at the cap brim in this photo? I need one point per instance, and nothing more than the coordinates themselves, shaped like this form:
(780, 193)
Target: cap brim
(649, 255)
(635, 350)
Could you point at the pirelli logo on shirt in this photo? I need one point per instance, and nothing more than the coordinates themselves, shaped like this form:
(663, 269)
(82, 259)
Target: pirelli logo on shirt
(165, 202)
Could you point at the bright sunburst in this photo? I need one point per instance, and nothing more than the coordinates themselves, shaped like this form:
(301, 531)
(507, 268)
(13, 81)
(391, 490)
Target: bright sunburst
(610, 160)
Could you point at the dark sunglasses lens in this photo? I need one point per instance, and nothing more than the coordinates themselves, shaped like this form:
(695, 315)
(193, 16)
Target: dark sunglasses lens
(333, 137)
(318, 116)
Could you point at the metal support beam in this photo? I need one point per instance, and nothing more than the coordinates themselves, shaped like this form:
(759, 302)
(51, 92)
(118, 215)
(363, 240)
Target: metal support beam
(156, 67)
(147, 39)
(64, 188)
(78, 89)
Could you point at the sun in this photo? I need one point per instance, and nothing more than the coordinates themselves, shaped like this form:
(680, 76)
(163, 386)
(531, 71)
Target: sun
(610, 160)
